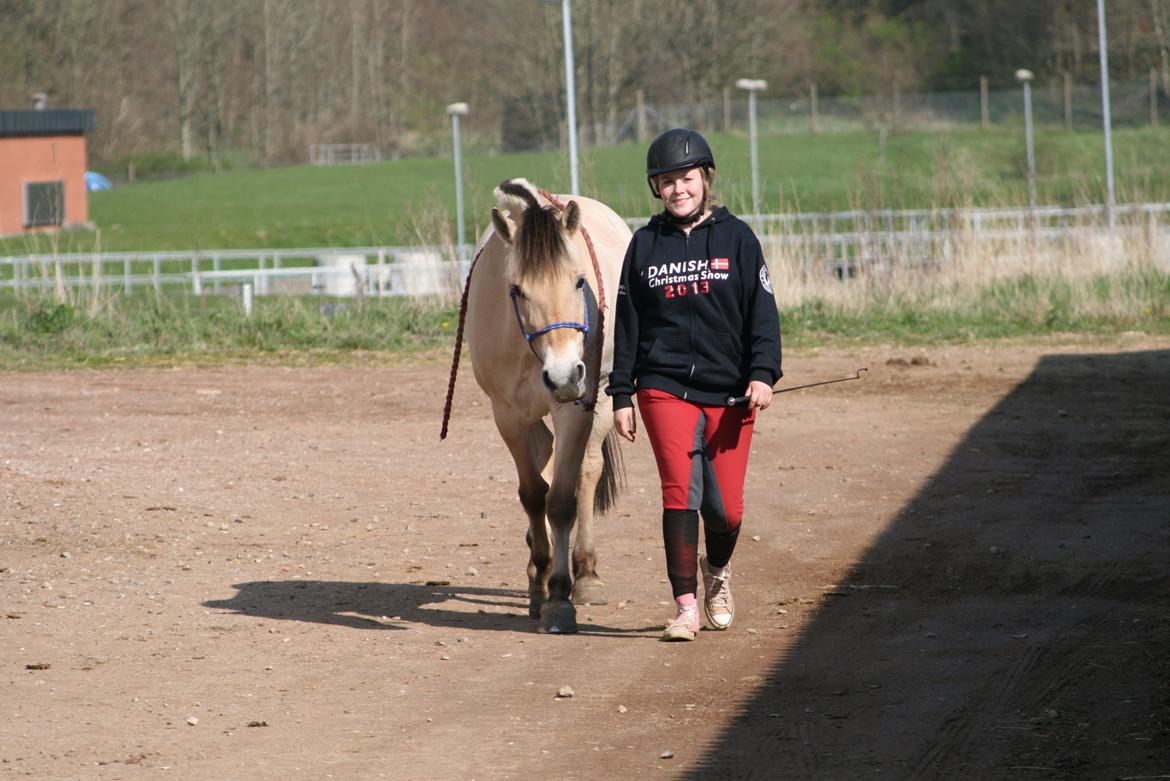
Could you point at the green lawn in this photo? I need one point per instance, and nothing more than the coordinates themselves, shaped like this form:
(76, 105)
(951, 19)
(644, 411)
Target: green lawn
(412, 201)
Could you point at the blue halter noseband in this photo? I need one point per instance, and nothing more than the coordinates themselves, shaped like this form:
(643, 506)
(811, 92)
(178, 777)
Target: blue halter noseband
(530, 336)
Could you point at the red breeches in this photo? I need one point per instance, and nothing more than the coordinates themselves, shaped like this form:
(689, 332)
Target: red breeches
(702, 455)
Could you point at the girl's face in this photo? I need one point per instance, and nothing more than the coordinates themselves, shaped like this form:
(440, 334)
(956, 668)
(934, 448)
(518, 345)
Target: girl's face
(681, 191)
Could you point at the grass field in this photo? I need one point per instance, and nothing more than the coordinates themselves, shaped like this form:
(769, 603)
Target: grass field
(38, 332)
(412, 201)
(1081, 294)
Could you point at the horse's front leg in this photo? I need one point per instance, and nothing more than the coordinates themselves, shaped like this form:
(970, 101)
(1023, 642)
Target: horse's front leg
(531, 447)
(588, 589)
(572, 425)
(558, 615)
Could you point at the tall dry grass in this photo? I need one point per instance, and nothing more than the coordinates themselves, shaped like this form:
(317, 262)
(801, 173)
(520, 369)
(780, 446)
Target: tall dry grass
(1024, 275)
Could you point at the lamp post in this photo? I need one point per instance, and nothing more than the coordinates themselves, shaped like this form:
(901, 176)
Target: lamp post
(1103, 45)
(456, 110)
(570, 98)
(1024, 76)
(752, 86)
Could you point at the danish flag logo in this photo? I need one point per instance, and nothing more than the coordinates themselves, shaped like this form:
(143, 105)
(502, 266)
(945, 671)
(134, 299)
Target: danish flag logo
(720, 264)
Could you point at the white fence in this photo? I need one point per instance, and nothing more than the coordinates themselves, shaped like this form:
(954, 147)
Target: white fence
(342, 154)
(373, 271)
(842, 243)
(851, 241)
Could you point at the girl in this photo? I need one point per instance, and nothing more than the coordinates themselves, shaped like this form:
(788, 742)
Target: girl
(697, 327)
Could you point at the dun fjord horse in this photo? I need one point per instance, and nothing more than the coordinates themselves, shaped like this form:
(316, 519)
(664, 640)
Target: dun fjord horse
(542, 351)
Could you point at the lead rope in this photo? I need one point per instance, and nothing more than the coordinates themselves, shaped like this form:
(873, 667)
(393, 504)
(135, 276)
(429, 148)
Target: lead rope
(458, 345)
(591, 402)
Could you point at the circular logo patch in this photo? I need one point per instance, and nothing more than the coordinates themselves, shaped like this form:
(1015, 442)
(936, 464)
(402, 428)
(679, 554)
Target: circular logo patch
(765, 279)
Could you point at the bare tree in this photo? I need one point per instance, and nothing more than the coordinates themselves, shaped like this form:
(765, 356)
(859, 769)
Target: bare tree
(269, 77)
(1160, 15)
(186, 32)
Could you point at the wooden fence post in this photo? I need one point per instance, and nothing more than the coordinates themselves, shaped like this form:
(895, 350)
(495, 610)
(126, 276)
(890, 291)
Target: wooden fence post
(984, 109)
(813, 124)
(641, 116)
(1153, 97)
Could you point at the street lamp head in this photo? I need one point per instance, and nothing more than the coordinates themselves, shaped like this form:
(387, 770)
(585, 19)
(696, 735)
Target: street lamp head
(751, 85)
(457, 109)
(1023, 74)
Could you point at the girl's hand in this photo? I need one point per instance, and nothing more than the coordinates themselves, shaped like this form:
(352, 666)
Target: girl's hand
(626, 423)
(759, 395)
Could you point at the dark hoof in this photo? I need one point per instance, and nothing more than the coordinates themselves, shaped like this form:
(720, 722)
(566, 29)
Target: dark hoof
(535, 604)
(558, 618)
(589, 591)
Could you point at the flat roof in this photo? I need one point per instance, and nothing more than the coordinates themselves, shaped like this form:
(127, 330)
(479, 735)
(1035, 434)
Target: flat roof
(55, 122)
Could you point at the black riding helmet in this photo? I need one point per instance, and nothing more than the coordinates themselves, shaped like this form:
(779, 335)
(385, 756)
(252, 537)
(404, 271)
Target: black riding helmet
(674, 150)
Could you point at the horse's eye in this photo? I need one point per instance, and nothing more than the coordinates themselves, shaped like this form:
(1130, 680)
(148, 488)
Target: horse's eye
(517, 292)
(580, 282)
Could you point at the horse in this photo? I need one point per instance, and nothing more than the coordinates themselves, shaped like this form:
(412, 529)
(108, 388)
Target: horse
(545, 274)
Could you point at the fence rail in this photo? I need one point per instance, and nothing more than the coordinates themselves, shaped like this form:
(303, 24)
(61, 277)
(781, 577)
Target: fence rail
(849, 241)
(342, 154)
(345, 271)
(842, 243)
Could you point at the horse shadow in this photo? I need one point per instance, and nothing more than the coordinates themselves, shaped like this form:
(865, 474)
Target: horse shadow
(394, 606)
(375, 605)
(1013, 621)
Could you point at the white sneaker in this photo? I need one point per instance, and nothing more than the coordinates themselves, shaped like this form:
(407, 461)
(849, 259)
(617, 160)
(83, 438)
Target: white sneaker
(718, 606)
(684, 626)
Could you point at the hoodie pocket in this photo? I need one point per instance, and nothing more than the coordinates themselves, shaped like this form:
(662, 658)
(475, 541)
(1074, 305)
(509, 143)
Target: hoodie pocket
(703, 360)
(668, 354)
(717, 360)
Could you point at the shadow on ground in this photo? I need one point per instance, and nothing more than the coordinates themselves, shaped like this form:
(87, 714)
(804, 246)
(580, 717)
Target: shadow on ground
(1013, 621)
(379, 605)
(391, 606)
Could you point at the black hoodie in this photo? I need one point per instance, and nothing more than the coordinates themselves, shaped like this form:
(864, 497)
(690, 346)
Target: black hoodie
(696, 316)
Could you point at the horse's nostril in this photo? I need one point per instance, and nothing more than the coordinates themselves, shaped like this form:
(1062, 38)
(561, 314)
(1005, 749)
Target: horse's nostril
(548, 383)
(579, 373)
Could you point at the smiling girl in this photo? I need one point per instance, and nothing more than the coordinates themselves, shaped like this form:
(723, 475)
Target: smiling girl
(697, 326)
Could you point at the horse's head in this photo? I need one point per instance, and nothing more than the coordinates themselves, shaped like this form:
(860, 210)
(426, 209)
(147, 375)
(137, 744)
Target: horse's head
(548, 285)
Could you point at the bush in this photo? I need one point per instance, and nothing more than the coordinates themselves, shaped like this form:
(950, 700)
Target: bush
(153, 166)
(47, 317)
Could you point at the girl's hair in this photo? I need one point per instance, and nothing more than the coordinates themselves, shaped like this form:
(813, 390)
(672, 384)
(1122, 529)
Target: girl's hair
(713, 201)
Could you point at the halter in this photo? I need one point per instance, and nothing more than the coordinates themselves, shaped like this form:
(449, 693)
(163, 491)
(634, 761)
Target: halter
(530, 336)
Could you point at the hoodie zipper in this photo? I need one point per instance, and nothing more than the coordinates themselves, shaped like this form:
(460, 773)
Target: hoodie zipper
(690, 314)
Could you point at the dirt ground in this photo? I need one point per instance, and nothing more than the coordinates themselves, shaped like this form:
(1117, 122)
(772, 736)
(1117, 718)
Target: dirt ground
(955, 568)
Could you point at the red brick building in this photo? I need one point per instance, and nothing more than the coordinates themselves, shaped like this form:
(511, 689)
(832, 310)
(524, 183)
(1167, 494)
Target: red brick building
(42, 170)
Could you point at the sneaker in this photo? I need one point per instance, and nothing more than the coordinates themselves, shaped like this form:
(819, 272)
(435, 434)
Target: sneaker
(684, 626)
(718, 606)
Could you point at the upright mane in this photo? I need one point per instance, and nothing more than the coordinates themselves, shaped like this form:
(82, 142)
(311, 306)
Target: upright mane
(539, 243)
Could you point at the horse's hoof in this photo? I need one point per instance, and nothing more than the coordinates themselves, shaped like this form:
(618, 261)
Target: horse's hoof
(589, 591)
(558, 618)
(535, 605)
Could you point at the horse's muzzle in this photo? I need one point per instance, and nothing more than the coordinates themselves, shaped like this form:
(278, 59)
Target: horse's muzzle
(568, 388)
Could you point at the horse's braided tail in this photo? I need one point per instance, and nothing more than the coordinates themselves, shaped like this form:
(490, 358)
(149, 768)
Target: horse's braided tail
(613, 474)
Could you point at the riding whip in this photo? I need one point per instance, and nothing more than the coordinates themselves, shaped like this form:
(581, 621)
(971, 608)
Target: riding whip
(736, 400)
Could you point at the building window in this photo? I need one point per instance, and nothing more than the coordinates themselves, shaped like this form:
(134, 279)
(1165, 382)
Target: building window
(44, 204)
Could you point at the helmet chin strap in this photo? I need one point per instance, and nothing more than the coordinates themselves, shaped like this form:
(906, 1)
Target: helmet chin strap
(690, 219)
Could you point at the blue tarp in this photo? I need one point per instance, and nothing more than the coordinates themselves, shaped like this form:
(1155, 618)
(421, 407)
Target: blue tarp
(95, 181)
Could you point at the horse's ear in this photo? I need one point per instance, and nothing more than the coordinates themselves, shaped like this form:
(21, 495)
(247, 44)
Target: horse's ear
(572, 217)
(502, 226)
